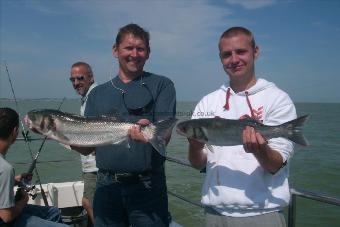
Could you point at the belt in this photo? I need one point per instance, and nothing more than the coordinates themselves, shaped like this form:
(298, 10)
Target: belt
(125, 177)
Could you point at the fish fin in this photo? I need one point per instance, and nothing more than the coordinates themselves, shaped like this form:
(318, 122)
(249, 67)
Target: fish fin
(115, 115)
(205, 133)
(68, 147)
(60, 137)
(159, 132)
(295, 131)
(114, 118)
(246, 118)
(123, 142)
(210, 147)
(126, 143)
(251, 121)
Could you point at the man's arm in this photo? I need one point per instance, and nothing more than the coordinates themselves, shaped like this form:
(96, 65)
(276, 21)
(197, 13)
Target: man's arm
(254, 142)
(27, 176)
(9, 214)
(196, 155)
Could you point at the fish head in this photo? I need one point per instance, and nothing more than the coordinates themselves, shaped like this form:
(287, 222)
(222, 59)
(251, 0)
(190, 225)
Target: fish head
(40, 121)
(184, 128)
(193, 129)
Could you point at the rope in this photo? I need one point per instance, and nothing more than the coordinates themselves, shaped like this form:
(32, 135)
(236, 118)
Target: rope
(184, 163)
(178, 161)
(48, 161)
(185, 199)
(29, 139)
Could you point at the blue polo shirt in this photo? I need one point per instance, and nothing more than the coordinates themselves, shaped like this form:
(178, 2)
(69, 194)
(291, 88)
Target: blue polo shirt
(158, 96)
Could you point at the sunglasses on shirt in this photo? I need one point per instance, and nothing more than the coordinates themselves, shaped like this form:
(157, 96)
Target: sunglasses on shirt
(140, 110)
(137, 108)
(79, 78)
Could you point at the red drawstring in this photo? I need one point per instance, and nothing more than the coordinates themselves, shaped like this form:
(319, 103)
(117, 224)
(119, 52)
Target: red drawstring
(226, 105)
(249, 105)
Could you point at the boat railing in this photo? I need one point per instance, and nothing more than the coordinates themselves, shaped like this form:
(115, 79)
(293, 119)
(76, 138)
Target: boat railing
(293, 192)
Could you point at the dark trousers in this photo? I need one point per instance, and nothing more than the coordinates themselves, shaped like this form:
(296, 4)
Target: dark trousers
(137, 201)
(38, 216)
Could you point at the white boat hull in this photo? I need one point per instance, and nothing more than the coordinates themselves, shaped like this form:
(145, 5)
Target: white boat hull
(65, 195)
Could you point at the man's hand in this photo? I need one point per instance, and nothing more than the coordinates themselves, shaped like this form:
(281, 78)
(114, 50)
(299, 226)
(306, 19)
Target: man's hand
(195, 145)
(135, 131)
(253, 141)
(27, 176)
(196, 156)
(21, 196)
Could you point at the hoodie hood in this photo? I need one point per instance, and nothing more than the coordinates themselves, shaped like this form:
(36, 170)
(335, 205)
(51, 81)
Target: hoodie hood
(261, 84)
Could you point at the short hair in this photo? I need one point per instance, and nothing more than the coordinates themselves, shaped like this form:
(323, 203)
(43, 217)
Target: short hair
(234, 31)
(136, 31)
(87, 66)
(9, 119)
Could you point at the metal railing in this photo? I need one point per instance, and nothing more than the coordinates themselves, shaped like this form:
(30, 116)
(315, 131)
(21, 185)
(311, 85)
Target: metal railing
(308, 195)
(293, 192)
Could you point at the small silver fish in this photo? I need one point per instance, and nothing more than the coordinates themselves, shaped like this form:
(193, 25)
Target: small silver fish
(226, 132)
(70, 129)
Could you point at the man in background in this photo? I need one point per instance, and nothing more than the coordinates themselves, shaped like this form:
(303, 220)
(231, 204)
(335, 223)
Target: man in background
(82, 80)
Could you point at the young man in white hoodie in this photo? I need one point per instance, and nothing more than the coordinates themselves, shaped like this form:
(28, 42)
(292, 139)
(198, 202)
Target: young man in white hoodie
(245, 185)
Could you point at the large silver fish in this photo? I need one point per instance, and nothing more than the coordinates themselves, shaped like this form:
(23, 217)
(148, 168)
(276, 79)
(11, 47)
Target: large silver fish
(225, 132)
(70, 129)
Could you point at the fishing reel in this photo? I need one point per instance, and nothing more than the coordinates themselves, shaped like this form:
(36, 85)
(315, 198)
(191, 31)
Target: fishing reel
(25, 185)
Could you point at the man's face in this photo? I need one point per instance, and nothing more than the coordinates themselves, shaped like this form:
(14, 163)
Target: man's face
(238, 56)
(80, 79)
(132, 53)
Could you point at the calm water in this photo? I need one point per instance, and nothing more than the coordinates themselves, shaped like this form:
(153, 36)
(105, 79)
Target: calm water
(316, 168)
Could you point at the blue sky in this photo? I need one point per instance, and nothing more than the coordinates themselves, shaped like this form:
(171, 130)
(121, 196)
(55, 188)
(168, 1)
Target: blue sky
(299, 43)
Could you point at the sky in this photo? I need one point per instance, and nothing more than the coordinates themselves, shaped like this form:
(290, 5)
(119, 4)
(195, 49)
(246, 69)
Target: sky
(299, 43)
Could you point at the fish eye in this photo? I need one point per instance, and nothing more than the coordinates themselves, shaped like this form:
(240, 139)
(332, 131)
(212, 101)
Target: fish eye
(32, 117)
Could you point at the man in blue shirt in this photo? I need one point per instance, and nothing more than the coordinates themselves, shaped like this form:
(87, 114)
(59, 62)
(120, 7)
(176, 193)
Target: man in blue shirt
(131, 185)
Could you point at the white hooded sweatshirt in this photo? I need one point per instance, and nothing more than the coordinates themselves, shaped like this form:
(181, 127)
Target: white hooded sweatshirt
(235, 184)
(88, 162)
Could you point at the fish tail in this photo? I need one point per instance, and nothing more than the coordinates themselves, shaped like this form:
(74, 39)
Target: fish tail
(295, 130)
(160, 131)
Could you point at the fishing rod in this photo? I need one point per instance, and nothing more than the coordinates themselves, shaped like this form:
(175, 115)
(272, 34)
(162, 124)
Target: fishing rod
(24, 183)
(47, 161)
(30, 139)
(25, 135)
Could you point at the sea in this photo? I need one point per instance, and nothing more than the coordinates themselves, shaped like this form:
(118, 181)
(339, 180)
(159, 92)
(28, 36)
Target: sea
(315, 168)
